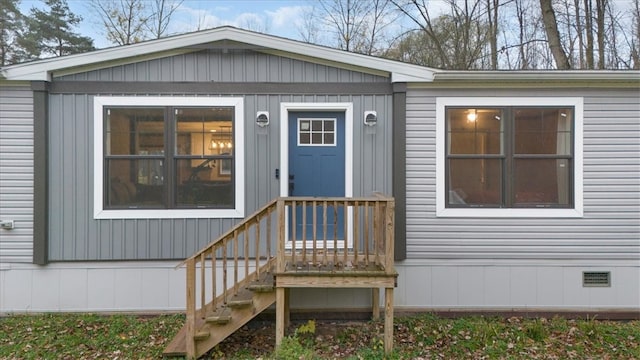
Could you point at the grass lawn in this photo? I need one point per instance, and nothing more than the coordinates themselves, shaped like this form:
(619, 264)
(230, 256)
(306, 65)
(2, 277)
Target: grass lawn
(82, 336)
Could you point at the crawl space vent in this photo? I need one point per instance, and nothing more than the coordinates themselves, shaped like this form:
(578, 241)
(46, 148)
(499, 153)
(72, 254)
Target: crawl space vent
(596, 279)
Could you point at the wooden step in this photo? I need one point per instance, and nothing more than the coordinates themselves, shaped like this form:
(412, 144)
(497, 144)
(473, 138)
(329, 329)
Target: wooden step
(239, 303)
(219, 318)
(261, 287)
(201, 335)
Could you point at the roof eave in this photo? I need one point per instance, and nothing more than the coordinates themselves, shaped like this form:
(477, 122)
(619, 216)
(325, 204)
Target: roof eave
(539, 75)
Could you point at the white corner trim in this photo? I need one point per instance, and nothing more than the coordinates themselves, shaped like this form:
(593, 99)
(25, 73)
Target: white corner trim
(99, 102)
(576, 102)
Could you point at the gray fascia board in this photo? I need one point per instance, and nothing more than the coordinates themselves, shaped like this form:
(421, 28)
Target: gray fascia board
(546, 76)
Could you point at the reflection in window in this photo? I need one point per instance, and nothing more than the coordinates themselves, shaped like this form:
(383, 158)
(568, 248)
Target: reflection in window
(169, 157)
(509, 157)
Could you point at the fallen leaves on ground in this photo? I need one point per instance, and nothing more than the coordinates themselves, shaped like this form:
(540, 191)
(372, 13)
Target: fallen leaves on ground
(87, 336)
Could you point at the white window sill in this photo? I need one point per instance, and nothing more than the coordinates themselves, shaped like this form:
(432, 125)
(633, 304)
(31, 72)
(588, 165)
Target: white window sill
(510, 213)
(169, 214)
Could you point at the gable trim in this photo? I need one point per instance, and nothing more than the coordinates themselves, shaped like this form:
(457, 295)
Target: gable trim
(43, 69)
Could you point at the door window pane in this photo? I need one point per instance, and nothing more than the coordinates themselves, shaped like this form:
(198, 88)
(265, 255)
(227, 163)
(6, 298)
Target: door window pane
(316, 132)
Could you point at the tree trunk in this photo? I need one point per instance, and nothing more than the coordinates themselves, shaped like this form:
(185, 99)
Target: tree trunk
(600, 13)
(588, 24)
(580, 32)
(492, 16)
(553, 36)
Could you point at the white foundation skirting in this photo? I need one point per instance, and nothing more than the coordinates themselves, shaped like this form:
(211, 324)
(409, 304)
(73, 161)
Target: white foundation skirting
(158, 287)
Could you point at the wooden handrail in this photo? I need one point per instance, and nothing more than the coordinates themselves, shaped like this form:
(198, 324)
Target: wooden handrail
(229, 232)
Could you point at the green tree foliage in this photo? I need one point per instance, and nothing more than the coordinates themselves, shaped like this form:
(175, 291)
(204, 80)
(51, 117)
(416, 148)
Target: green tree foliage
(10, 24)
(49, 32)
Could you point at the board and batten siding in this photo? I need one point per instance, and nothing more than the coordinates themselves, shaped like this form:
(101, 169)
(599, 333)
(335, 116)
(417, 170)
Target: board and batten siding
(75, 236)
(610, 228)
(73, 233)
(230, 66)
(16, 173)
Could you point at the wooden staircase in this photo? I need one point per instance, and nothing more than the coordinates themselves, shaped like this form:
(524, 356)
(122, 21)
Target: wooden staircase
(236, 277)
(226, 318)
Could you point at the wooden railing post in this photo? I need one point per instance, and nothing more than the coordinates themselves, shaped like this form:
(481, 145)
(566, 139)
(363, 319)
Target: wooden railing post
(389, 236)
(191, 309)
(280, 255)
(280, 267)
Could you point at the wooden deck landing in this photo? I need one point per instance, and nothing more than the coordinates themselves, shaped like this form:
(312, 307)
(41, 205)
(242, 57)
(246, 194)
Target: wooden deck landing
(361, 275)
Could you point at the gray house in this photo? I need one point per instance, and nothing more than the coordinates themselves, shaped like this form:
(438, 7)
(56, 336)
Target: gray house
(514, 191)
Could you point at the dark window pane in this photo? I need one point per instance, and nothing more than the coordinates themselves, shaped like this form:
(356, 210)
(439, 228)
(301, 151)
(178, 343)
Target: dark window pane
(316, 138)
(543, 131)
(316, 125)
(131, 131)
(134, 183)
(329, 139)
(328, 125)
(305, 138)
(542, 182)
(474, 131)
(208, 185)
(475, 182)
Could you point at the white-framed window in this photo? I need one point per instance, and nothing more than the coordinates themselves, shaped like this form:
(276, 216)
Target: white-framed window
(168, 157)
(509, 157)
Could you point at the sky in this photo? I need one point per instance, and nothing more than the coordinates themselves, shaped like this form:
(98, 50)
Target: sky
(277, 17)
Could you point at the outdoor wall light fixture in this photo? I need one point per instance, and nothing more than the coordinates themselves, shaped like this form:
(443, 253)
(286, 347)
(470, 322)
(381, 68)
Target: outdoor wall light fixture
(370, 118)
(262, 118)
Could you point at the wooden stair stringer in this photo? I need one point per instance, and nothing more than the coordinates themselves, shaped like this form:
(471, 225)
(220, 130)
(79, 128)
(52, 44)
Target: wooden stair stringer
(239, 317)
(261, 299)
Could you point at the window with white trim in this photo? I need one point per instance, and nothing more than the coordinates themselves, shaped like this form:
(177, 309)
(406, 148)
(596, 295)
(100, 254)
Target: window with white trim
(168, 157)
(509, 158)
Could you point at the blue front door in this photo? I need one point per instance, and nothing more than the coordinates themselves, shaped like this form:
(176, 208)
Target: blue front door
(317, 168)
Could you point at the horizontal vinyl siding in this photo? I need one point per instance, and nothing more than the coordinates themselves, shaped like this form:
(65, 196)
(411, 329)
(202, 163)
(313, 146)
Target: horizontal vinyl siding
(16, 173)
(75, 235)
(610, 227)
(231, 66)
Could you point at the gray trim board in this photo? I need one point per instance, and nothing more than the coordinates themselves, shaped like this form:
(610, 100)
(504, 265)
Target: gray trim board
(399, 168)
(109, 87)
(40, 172)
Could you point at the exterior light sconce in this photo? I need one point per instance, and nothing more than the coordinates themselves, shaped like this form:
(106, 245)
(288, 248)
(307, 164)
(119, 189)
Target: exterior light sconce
(262, 118)
(370, 118)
